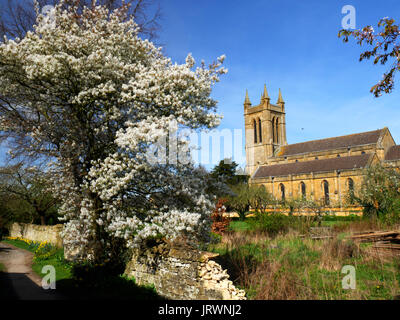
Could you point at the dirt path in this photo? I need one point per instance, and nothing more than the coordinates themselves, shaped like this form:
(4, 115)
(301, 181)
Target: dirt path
(19, 281)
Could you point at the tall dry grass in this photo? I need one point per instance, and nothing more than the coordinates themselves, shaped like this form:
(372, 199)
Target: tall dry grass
(335, 252)
(263, 277)
(301, 268)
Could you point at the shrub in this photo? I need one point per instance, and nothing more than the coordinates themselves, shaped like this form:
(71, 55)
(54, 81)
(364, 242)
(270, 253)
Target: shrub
(393, 216)
(220, 222)
(271, 223)
(215, 238)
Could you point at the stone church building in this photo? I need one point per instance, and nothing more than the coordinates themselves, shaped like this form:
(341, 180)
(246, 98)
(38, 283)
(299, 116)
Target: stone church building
(322, 170)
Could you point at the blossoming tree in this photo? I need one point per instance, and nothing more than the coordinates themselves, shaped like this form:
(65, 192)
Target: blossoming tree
(84, 89)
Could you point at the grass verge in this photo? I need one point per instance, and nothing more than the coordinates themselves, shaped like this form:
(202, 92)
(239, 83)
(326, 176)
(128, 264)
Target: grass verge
(92, 285)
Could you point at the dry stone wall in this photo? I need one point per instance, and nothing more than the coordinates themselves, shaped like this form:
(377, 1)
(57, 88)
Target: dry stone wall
(38, 233)
(181, 273)
(177, 272)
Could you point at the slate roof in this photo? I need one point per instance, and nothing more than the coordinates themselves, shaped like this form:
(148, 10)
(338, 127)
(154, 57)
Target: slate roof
(331, 143)
(393, 153)
(322, 165)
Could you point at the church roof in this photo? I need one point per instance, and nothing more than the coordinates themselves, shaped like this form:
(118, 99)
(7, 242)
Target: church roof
(322, 165)
(351, 140)
(393, 153)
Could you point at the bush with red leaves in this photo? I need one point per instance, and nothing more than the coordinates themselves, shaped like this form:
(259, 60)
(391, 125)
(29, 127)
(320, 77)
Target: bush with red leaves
(220, 222)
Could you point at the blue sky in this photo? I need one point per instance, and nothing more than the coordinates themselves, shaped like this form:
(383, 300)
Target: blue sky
(292, 45)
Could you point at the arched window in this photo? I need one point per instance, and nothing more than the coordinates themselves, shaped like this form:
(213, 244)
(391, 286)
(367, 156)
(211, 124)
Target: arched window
(273, 130)
(350, 183)
(325, 186)
(277, 130)
(255, 130)
(303, 189)
(259, 130)
(282, 189)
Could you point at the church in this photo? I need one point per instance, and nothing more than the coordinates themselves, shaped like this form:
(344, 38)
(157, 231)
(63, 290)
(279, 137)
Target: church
(324, 170)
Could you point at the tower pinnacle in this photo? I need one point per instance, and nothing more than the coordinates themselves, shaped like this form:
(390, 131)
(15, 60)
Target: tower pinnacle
(265, 94)
(280, 99)
(247, 100)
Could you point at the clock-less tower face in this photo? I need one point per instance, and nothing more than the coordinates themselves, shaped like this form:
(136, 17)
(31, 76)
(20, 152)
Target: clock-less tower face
(265, 130)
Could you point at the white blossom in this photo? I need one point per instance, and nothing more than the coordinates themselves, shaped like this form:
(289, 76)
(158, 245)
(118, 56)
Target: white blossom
(96, 66)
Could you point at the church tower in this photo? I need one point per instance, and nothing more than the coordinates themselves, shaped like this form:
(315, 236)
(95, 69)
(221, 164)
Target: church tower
(265, 129)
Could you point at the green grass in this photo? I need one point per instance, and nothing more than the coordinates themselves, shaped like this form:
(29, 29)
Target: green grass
(373, 281)
(21, 244)
(349, 218)
(334, 223)
(2, 268)
(237, 225)
(63, 268)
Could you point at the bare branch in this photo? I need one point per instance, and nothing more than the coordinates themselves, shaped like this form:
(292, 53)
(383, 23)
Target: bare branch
(18, 17)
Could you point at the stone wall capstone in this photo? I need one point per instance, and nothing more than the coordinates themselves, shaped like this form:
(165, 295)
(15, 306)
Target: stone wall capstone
(38, 233)
(182, 273)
